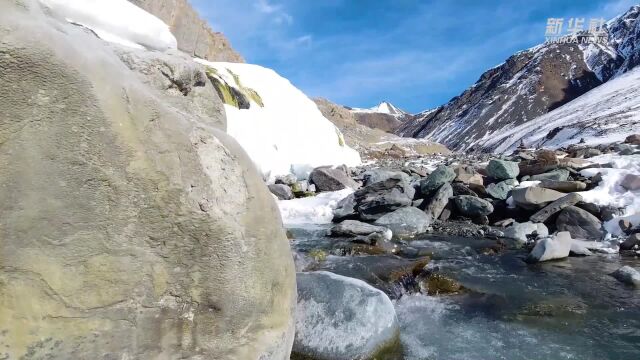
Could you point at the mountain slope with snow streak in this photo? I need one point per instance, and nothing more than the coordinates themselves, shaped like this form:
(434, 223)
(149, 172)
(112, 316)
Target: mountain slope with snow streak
(384, 116)
(605, 114)
(529, 84)
(282, 130)
(117, 21)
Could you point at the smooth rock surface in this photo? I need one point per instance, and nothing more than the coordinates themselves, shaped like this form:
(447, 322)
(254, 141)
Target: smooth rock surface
(556, 247)
(132, 226)
(405, 222)
(342, 318)
(532, 198)
(331, 179)
(563, 186)
(554, 207)
(631, 182)
(555, 175)
(501, 190)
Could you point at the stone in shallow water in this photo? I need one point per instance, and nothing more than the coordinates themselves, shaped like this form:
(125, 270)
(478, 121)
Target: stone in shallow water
(342, 318)
(627, 275)
(405, 222)
(503, 170)
(556, 247)
(520, 231)
(357, 229)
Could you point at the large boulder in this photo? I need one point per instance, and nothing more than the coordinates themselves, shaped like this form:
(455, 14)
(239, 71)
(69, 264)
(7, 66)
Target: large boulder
(545, 213)
(533, 198)
(132, 226)
(633, 139)
(405, 222)
(342, 318)
(376, 175)
(439, 201)
(522, 232)
(345, 209)
(631, 242)
(503, 170)
(552, 248)
(472, 206)
(579, 223)
(468, 175)
(328, 178)
(440, 176)
(379, 198)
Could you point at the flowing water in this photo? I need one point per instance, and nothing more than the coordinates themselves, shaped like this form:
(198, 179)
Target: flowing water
(567, 309)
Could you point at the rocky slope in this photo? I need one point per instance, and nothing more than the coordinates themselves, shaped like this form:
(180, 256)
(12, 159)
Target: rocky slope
(527, 85)
(385, 116)
(194, 35)
(132, 226)
(373, 143)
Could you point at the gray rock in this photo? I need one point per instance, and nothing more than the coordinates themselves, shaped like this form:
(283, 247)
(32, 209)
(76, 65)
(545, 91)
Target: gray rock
(357, 229)
(627, 275)
(377, 175)
(563, 186)
(624, 149)
(379, 198)
(281, 191)
(631, 242)
(472, 206)
(631, 182)
(405, 222)
(342, 318)
(331, 179)
(503, 170)
(132, 226)
(345, 209)
(557, 175)
(438, 202)
(533, 198)
(580, 223)
(552, 248)
(440, 176)
(522, 231)
(501, 190)
(554, 207)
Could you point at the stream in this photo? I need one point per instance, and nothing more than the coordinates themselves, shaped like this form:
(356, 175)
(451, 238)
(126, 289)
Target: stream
(567, 309)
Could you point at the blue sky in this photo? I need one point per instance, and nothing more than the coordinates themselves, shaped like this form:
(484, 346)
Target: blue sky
(415, 54)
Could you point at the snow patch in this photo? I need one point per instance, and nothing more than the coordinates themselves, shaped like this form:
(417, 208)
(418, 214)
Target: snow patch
(286, 133)
(311, 210)
(117, 21)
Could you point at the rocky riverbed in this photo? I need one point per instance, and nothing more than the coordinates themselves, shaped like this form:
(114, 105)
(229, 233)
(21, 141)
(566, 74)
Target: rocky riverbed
(531, 255)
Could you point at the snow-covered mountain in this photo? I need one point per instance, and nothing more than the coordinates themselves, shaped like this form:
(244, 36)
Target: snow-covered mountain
(605, 114)
(384, 116)
(527, 85)
(280, 128)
